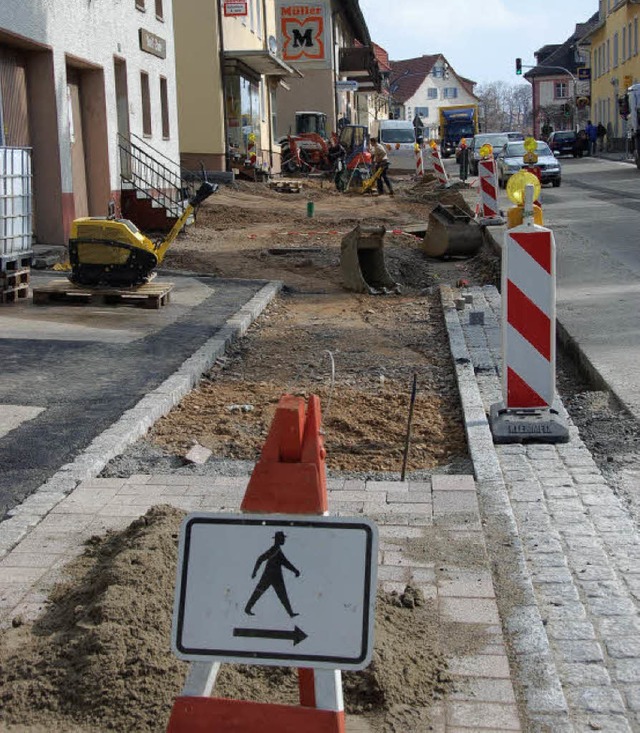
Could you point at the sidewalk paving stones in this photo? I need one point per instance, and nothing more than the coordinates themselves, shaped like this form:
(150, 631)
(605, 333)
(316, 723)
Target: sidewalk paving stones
(537, 553)
(579, 544)
(462, 594)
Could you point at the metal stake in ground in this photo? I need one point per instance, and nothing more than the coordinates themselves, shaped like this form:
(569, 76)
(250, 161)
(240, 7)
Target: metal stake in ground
(407, 441)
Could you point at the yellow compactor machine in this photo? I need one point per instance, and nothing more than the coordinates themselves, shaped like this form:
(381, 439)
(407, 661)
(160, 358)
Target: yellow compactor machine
(105, 251)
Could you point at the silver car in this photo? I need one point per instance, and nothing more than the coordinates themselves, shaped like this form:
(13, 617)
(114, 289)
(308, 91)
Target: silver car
(510, 161)
(496, 139)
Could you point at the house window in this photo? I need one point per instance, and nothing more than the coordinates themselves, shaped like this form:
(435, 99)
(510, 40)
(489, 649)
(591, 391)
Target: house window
(615, 50)
(450, 92)
(146, 103)
(438, 72)
(635, 36)
(560, 90)
(608, 55)
(140, 4)
(432, 93)
(164, 106)
(422, 112)
(159, 10)
(624, 44)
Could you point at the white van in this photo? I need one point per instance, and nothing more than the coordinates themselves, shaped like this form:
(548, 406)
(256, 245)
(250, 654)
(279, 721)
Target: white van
(399, 138)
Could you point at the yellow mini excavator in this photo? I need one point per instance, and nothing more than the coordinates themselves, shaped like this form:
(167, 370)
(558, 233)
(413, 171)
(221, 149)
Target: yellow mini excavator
(114, 252)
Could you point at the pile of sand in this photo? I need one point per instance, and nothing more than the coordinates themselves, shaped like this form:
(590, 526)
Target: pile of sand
(98, 659)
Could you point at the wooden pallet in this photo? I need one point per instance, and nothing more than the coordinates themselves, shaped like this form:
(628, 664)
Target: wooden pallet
(14, 294)
(13, 278)
(149, 295)
(15, 261)
(286, 186)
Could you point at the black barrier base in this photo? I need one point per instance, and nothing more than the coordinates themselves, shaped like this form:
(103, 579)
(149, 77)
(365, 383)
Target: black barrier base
(528, 425)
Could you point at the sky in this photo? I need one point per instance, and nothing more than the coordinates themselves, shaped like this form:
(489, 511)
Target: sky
(479, 38)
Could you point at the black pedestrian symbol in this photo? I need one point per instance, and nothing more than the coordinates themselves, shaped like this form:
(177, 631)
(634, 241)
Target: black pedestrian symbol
(272, 575)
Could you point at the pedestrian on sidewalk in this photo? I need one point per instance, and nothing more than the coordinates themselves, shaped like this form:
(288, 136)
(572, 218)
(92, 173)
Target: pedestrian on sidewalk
(601, 131)
(380, 161)
(592, 137)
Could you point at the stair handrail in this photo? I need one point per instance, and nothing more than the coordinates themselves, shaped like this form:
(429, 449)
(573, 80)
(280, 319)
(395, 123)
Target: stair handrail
(159, 183)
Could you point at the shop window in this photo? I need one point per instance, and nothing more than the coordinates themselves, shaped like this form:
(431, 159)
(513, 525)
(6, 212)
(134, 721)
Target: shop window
(243, 118)
(164, 105)
(146, 103)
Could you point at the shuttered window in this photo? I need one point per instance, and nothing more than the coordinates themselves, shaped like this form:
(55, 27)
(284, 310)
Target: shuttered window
(146, 103)
(164, 104)
(13, 97)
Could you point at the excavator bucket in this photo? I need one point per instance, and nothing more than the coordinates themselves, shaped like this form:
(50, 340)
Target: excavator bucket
(451, 232)
(362, 262)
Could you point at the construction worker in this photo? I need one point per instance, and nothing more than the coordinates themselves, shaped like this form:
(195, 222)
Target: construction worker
(380, 160)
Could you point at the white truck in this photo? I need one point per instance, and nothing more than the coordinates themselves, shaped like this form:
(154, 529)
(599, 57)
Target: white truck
(630, 109)
(399, 139)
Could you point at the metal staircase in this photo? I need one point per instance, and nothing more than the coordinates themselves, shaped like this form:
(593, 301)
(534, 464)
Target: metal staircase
(155, 189)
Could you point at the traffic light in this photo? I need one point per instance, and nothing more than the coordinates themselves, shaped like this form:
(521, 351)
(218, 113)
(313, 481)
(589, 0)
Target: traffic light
(518, 66)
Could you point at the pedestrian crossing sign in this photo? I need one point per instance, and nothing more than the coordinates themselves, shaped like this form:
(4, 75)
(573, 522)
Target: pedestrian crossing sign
(276, 590)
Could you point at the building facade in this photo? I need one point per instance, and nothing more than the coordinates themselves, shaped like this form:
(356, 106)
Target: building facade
(226, 91)
(613, 46)
(419, 87)
(559, 101)
(328, 41)
(253, 71)
(73, 77)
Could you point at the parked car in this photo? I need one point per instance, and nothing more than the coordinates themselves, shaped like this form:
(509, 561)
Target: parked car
(510, 161)
(497, 140)
(467, 142)
(564, 142)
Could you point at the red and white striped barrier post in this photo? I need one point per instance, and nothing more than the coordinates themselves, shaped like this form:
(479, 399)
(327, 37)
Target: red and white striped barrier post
(490, 213)
(529, 411)
(438, 165)
(419, 161)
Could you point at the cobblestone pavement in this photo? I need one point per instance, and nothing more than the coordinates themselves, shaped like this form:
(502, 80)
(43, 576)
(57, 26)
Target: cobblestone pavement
(582, 554)
(538, 553)
(452, 568)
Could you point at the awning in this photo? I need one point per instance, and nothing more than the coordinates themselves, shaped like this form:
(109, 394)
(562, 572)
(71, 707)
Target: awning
(258, 61)
(359, 63)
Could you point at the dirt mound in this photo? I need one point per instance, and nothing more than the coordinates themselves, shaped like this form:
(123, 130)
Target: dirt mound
(99, 658)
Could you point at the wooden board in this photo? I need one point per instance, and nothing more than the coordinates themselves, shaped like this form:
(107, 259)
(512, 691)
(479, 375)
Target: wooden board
(15, 261)
(13, 294)
(13, 278)
(149, 295)
(286, 186)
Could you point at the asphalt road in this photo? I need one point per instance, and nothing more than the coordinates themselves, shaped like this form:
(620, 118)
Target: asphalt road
(84, 366)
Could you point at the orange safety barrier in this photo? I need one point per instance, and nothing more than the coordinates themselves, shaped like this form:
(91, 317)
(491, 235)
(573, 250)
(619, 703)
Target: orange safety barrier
(219, 715)
(289, 478)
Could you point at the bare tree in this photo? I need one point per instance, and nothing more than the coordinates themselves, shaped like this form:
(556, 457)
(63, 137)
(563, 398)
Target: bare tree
(505, 107)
